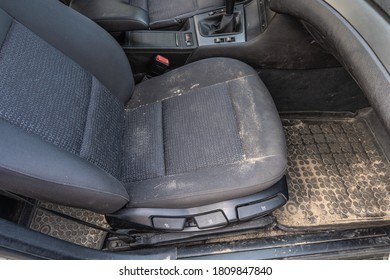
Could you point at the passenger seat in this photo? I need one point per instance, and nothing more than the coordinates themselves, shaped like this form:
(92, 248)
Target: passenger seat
(198, 148)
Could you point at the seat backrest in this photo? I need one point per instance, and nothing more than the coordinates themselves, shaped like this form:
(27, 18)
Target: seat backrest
(64, 82)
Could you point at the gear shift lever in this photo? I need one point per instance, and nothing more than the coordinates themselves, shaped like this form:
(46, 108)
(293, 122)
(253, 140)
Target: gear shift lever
(230, 7)
(221, 24)
(228, 20)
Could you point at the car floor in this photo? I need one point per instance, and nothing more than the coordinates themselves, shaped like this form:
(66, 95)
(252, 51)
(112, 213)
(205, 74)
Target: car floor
(68, 230)
(338, 170)
(339, 175)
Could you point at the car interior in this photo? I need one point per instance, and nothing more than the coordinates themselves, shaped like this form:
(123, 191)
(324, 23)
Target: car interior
(204, 129)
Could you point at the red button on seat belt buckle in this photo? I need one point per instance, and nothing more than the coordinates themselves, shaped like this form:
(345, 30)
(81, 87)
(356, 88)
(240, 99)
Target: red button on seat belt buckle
(159, 66)
(163, 60)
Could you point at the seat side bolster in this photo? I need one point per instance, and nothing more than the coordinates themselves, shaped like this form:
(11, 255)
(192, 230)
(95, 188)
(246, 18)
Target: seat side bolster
(79, 38)
(32, 167)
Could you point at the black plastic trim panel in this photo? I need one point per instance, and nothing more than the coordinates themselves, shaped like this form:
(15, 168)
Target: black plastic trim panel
(209, 216)
(22, 243)
(347, 44)
(349, 244)
(371, 23)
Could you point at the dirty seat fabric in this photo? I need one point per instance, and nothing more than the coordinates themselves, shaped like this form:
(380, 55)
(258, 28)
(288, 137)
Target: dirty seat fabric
(76, 131)
(198, 135)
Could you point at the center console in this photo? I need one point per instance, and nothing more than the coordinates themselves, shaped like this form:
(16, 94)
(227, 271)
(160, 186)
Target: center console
(232, 25)
(208, 30)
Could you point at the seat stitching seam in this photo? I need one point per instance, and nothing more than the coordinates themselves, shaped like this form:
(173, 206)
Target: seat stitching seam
(189, 91)
(8, 33)
(236, 121)
(87, 118)
(163, 139)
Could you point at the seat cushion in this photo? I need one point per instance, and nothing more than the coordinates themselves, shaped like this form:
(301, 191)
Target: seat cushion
(201, 134)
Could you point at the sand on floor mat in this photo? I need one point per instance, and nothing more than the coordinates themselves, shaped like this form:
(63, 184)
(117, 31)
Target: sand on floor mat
(338, 175)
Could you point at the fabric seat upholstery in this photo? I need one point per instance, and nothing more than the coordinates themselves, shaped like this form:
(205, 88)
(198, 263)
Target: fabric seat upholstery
(74, 133)
(221, 136)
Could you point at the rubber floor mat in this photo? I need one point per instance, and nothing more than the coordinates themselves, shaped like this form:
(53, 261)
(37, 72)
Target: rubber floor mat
(338, 175)
(69, 230)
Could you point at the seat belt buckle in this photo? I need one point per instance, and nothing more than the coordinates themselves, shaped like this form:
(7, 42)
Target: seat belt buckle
(159, 65)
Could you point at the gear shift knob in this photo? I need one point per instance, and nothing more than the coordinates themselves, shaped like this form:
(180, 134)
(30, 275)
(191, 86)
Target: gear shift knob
(230, 6)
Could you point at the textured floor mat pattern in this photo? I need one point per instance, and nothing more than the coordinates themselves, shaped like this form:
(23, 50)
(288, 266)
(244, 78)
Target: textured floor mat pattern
(338, 175)
(68, 230)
